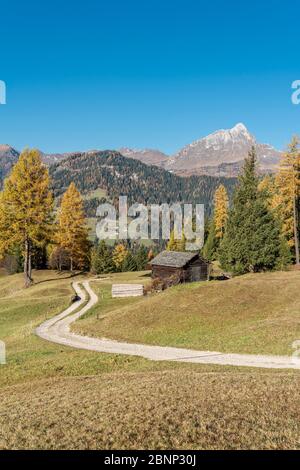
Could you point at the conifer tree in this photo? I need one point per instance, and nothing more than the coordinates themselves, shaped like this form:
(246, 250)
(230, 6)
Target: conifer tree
(271, 192)
(141, 258)
(176, 244)
(181, 243)
(171, 245)
(252, 239)
(268, 186)
(217, 224)
(13, 260)
(58, 257)
(119, 255)
(26, 205)
(129, 263)
(207, 222)
(72, 233)
(288, 186)
(101, 259)
(220, 211)
(211, 243)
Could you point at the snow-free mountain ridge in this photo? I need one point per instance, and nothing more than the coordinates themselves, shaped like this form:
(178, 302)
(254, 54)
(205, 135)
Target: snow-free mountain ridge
(218, 154)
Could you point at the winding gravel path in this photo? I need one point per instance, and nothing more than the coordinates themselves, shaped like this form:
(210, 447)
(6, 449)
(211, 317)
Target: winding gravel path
(57, 330)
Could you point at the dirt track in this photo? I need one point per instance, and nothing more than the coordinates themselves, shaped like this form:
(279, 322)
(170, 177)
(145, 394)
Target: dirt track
(57, 330)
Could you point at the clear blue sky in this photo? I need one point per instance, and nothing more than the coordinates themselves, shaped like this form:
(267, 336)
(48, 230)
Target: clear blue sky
(146, 73)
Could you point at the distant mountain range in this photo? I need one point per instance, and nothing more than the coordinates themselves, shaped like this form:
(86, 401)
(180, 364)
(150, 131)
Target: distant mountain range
(219, 154)
(118, 175)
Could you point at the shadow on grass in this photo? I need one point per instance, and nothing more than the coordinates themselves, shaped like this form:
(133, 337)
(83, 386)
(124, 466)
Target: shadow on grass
(63, 275)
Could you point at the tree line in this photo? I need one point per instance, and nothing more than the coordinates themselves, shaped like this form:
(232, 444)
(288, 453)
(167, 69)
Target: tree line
(141, 183)
(260, 231)
(33, 231)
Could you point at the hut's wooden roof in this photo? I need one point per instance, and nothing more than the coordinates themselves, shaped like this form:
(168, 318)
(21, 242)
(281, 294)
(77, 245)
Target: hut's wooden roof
(174, 259)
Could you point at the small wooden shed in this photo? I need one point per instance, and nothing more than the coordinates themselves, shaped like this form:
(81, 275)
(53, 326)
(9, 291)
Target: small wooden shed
(189, 266)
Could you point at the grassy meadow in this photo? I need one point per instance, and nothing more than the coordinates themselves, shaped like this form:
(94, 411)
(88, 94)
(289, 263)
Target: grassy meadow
(169, 409)
(254, 313)
(28, 356)
(55, 397)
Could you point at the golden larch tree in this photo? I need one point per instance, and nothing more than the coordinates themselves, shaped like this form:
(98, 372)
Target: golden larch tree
(268, 186)
(119, 254)
(287, 183)
(176, 244)
(26, 205)
(220, 210)
(72, 232)
(172, 245)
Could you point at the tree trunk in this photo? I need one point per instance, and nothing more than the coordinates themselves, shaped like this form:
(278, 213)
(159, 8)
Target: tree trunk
(296, 232)
(71, 268)
(27, 264)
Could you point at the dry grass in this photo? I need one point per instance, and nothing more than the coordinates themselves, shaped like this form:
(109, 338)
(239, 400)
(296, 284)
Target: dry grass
(54, 397)
(30, 358)
(250, 314)
(162, 410)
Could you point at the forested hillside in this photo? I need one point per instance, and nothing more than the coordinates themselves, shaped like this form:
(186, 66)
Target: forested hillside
(145, 184)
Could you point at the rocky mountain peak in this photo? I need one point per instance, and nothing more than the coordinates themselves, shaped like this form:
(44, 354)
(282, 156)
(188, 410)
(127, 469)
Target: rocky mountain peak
(5, 148)
(223, 147)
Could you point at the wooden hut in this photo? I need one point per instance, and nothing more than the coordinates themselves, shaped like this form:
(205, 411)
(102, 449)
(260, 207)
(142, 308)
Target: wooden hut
(188, 266)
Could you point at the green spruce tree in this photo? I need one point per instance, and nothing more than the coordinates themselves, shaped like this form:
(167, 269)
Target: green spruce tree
(101, 259)
(141, 258)
(211, 243)
(252, 240)
(129, 263)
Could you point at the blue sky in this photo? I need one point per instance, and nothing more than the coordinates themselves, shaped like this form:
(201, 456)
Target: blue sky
(146, 73)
